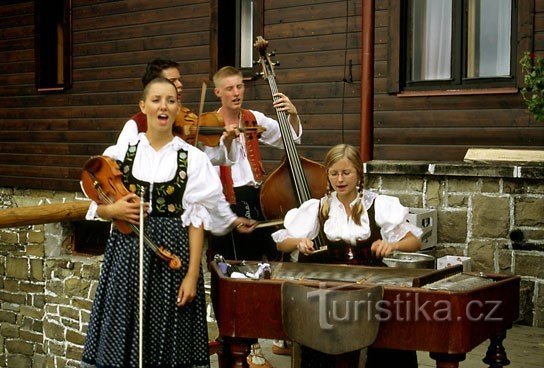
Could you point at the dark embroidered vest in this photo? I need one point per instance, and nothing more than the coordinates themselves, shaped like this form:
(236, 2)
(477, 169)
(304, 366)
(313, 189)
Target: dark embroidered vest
(253, 155)
(166, 197)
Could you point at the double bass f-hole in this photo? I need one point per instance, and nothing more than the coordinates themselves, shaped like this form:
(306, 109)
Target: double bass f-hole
(101, 181)
(297, 179)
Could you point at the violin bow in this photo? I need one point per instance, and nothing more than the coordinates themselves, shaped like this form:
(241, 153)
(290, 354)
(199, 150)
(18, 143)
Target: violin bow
(141, 283)
(200, 110)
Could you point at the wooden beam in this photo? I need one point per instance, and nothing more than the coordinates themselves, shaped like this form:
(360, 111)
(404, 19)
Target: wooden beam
(35, 215)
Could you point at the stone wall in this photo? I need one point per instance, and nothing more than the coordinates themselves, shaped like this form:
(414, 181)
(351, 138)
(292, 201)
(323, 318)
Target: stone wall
(491, 213)
(494, 214)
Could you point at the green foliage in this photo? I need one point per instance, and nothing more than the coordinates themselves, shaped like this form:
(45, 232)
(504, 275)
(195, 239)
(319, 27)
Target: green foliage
(533, 69)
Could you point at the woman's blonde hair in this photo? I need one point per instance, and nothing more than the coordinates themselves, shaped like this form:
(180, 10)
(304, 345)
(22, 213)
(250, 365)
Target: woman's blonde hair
(334, 155)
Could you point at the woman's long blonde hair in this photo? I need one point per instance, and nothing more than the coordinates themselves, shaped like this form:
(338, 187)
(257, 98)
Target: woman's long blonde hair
(334, 155)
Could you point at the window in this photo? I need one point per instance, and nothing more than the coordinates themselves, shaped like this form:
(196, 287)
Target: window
(236, 28)
(53, 35)
(456, 44)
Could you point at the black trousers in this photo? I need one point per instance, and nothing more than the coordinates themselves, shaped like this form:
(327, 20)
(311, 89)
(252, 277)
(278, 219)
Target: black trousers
(251, 247)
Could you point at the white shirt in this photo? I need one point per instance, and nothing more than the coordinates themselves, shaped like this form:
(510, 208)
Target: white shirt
(390, 215)
(217, 155)
(203, 200)
(241, 169)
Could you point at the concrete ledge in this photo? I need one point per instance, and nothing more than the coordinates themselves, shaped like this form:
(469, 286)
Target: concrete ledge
(502, 170)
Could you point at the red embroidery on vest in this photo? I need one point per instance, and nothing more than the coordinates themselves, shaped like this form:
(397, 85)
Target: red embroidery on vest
(253, 155)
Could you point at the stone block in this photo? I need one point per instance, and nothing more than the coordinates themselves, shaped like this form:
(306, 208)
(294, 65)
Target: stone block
(32, 312)
(53, 331)
(529, 211)
(75, 337)
(8, 330)
(7, 316)
(11, 285)
(512, 186)
(77, 287)
(38, 301)
(36, 269)
(505, 261)
(74, 352)
(7, 236)
(462, 185)
(18, 346)
(35, 249)
(12, 298)
(526, 306)
(481, 253)
(490, 186)
(31, 336)
(29, 287)
(17, 268)
(434, 194)
(69, 312)
(91, 271)
(458, 200)
(18, 361)
(452, 226)
(490, 216)
(36, 237)
(38, 361)
(82, 304)
(529, 264)
(54, 286)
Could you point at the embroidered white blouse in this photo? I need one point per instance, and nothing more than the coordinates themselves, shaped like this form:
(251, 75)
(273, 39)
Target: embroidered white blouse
(390, 215)
(203, 200)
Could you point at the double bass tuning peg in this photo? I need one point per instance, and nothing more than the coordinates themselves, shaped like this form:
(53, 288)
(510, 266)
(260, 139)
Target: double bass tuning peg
(272, 53)
(276, 63)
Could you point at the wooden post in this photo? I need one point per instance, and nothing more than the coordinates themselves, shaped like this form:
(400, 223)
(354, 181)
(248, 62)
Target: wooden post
(35, 215)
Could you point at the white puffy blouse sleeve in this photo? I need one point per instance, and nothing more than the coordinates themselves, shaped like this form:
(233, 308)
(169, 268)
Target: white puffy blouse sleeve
(391, 217)
(203, 202)
(301, 222)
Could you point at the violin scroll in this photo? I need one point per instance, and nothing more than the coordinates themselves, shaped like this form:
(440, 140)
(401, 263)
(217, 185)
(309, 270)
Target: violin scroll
(173, 261)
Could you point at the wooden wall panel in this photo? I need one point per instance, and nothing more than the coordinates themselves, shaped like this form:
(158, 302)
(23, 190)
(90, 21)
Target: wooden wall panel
(45, 138)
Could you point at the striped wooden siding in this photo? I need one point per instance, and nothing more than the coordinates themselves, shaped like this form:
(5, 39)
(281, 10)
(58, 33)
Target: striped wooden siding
(45, 138)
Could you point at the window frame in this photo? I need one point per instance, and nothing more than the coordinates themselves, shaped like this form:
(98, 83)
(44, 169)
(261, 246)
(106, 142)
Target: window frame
(215, 35)
(521, 41)
(45, 61)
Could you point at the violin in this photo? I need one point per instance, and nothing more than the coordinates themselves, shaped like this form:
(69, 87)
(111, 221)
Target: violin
(209, 127)
(102, 182)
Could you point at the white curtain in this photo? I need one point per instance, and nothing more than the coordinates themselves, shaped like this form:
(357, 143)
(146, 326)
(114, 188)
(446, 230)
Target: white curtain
(494, 34)
(437, 61)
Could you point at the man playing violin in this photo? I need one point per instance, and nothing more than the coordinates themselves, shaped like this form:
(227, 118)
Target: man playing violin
(221, 154)
(242, 180)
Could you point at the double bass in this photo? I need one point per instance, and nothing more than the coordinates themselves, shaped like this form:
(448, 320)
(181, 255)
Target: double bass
(297, 179)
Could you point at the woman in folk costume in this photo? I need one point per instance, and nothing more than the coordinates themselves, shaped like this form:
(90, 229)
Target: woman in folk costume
(360, 227)
(183, 197)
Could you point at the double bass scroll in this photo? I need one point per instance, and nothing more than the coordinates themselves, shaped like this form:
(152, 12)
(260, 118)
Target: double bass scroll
(297, 179)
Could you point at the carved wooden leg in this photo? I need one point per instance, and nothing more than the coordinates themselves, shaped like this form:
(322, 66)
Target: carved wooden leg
(496, 354)
(447, 360)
